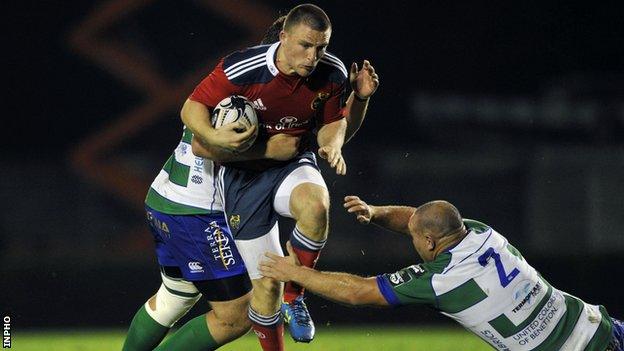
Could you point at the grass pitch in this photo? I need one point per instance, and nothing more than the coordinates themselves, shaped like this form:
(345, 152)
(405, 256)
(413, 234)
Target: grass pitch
(327, 339)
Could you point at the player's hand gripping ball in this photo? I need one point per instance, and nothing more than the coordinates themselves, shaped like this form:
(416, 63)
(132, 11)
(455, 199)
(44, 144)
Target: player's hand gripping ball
(236, 109)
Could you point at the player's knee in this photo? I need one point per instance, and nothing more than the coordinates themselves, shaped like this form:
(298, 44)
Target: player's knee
(310, 203)
(172, 301)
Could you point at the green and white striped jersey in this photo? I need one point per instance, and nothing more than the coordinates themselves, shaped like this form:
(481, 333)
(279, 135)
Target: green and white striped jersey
(186, 184)
(486, 285)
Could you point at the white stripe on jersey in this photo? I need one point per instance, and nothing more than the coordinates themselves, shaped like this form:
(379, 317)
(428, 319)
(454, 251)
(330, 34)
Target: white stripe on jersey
(262, 63)
(340, 67)
(244, 67)
(334, 59)
(242, 62)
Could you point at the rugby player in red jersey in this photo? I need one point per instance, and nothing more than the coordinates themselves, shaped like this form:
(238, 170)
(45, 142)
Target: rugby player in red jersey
(296, 87)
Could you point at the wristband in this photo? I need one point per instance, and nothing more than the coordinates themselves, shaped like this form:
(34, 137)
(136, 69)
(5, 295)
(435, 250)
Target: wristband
(359, 98)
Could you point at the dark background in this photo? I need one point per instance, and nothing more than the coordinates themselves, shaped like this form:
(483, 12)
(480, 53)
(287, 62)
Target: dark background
(513, 112)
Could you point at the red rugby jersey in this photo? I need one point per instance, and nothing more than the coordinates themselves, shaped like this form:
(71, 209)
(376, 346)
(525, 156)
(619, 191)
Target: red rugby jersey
(284, 104)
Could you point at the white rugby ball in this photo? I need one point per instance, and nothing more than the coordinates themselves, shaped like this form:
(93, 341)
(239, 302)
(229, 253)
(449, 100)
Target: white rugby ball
(234, 109)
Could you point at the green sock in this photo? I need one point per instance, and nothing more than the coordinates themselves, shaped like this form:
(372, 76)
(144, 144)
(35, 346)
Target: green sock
(144, 332)
(192, 336)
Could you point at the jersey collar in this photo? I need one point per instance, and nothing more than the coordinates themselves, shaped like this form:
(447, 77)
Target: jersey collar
(270, 59)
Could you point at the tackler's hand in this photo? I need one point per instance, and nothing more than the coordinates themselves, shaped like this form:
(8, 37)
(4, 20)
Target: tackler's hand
(363, 212)
(278, 267)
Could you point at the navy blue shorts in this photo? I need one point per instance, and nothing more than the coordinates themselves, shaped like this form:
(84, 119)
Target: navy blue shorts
(200, 245)
(248, 196)
(617, 340)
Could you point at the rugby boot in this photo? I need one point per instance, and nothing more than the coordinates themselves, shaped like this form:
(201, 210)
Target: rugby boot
(298, 318)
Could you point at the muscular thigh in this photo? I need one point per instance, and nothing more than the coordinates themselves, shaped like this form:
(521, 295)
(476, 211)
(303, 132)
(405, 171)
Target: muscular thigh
(302, 188)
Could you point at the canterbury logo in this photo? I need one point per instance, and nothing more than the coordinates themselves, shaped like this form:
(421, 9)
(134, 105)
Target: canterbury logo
(195, 267)
(260, 334)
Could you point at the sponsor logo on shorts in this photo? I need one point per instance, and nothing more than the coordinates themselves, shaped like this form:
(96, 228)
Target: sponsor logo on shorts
(158, 224)
(234, 221)
(220, 246)
(195, 267)
(197, 179)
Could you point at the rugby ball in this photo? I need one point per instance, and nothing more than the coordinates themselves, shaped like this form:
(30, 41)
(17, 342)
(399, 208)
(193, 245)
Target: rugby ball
(235, 109)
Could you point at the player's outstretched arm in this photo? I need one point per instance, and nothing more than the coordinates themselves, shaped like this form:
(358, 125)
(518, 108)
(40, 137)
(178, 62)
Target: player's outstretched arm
(330, 140)
(394, 218)
(196, 117)
(280, 147)
(344, 288)
(364, 83)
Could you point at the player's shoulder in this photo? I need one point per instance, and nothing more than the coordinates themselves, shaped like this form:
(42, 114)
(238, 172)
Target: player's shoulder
(476, 226)
(333, 67)
(249, 65)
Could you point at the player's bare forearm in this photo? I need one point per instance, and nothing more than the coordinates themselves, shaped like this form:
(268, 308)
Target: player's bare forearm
(340, 287)
(364, 83)
(217, 154)
(356, 112)
(330, 139)
(394, 218)
(332, 134)
(196, 117)
(280, 147)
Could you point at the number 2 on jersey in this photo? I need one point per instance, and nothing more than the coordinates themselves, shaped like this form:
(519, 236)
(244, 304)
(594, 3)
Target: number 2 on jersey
(504, 278)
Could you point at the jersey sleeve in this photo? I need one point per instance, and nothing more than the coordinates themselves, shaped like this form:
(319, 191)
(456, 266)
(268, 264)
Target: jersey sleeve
(214, 88)
(334, 106)
(410, 285)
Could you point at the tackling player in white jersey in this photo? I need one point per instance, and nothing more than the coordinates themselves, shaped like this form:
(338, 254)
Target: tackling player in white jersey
(196, 252)
(471, 274)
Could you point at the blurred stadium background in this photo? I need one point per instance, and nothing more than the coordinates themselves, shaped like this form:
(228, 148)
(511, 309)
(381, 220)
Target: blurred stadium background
(512, 111)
